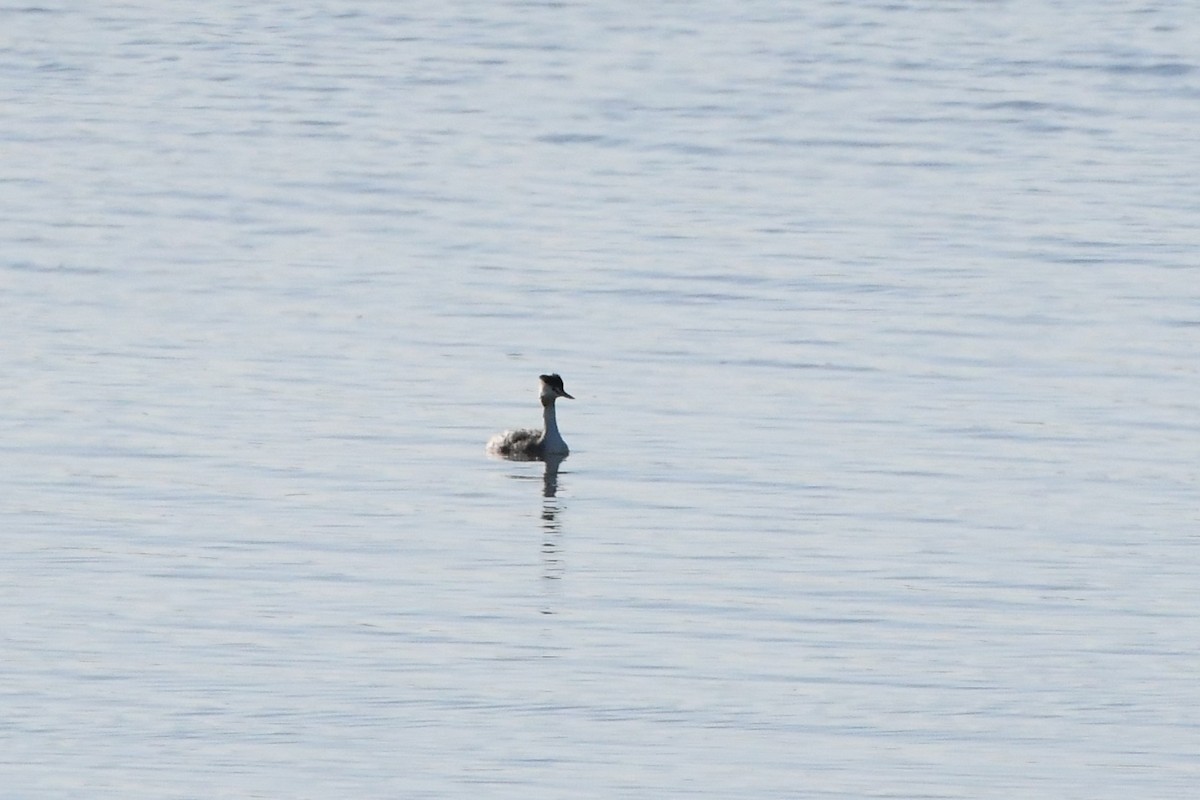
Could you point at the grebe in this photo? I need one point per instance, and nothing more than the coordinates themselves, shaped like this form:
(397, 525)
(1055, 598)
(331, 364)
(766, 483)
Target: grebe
(527, 445)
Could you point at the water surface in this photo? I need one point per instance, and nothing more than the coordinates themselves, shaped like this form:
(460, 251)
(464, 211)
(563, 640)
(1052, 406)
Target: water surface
(882, 321)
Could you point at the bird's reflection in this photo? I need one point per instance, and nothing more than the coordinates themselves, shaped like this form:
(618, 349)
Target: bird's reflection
(550, 476)
(553, 566)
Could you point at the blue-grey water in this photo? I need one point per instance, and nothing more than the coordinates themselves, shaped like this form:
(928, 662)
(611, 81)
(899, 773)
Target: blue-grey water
(882, 321)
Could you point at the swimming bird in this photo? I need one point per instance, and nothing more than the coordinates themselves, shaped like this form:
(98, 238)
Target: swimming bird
(528, 445)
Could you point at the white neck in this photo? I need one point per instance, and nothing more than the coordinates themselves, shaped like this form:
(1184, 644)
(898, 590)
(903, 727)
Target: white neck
(553, 441)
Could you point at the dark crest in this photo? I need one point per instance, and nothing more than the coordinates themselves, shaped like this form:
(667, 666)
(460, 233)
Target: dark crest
(554, 382)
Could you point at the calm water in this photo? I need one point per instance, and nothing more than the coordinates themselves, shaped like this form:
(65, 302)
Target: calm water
(882, 321)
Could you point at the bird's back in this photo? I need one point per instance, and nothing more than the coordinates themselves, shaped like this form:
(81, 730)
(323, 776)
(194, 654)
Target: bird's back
(523, 443)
